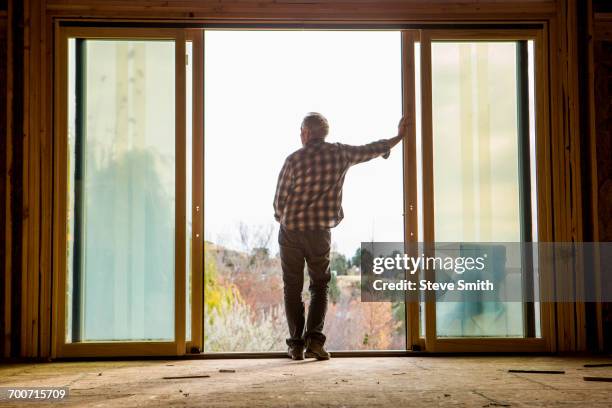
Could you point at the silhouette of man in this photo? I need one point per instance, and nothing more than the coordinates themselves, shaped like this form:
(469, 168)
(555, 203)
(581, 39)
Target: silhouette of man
(308, 203)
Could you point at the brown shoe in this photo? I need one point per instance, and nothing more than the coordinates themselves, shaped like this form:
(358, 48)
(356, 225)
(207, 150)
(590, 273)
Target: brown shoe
(296, 352)
(316, 350)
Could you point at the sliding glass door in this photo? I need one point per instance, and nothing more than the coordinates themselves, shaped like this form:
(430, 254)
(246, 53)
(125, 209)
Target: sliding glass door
(479, 183)
(160, 132)
(123, 168)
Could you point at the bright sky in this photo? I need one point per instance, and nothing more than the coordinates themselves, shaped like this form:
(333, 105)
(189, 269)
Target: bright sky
(260, 84)
(258, 87)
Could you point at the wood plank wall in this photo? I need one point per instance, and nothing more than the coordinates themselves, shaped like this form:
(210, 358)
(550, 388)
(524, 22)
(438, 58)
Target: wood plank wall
(601, 118)
(33, 195)
(11, 193)
(306, 10)
(571, 333)
(3, 157)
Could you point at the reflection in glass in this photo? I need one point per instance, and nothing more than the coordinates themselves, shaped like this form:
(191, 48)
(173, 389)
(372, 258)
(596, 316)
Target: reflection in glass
(121, 190)
(476, 148)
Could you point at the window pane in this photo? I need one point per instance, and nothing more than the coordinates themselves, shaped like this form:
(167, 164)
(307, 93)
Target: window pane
(476, 168)
(122, 184)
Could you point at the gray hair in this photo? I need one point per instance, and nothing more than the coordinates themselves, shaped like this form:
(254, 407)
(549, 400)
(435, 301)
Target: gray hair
(317, 124)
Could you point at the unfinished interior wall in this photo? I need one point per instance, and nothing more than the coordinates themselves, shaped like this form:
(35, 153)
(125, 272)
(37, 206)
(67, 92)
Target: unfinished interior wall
(3, 201)
(602, 64)
(603, 114)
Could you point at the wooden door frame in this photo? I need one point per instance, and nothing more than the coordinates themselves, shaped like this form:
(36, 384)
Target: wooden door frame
(61, 348)
(411, 221)
(478, 344)
(411, 232)
(196, 344)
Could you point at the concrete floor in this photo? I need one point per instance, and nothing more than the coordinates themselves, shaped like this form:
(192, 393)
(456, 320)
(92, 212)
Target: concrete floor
(340, 382)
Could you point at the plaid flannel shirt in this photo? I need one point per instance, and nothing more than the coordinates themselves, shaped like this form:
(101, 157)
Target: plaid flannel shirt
(309, 190)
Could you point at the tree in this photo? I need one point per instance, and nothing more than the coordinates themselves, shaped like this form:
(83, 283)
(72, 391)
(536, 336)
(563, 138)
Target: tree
(216, 293)
(260, 254)
(255, 240)
(356, 259)
(255, 236)
(334, 290)
(338, 263)
(399, 315)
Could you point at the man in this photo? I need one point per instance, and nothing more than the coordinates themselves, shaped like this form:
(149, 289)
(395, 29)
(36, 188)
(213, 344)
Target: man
(308, 202)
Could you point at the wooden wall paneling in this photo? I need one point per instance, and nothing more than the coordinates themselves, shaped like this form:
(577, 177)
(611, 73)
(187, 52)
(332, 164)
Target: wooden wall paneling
(13, 196)
(567, 200)
(46, 270)
(602, 26)
(602, 31)
(36, 173)
(591, 121)
(60, 174)
(27, 156)
(572, 96)
(4, 202)
(26, 288)
(603, 38)
(543, 182)
(564, 317)
(591, 127)
(32, 134)
(567, 281)
(569, 10)
(593, 311)
(346, 10)
(592, 134)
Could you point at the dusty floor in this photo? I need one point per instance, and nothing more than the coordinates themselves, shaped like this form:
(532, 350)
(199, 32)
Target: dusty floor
(341, 382)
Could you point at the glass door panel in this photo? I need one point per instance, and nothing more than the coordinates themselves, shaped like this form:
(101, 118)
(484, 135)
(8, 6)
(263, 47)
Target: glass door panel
(479, 182)
(125, 158)
(476, 157)
(122, 254)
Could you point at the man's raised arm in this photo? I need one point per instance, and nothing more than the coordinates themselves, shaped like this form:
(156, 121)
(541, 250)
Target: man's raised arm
(363, 153)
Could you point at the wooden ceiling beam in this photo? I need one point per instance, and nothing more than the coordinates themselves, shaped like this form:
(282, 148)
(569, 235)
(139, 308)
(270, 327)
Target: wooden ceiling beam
(300, 10)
